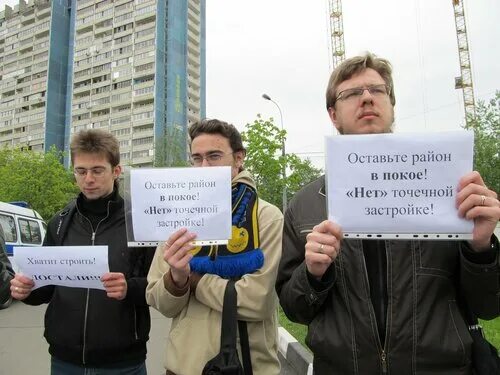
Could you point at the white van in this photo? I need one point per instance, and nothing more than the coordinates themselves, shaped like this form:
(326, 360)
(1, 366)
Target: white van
(21, 225)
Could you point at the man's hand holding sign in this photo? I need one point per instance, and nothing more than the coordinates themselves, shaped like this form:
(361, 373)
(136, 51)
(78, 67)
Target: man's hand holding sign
(178, 254)
(476, 202)
(322, 247)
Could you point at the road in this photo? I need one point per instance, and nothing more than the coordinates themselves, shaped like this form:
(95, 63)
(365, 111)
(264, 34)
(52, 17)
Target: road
(23, 349)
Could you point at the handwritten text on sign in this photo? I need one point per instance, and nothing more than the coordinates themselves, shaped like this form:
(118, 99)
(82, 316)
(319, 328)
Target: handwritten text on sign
(166, 199)
(397, 183)
(72, 266)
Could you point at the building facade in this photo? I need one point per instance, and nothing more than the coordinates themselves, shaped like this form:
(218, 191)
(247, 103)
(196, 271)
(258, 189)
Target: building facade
(135, 68)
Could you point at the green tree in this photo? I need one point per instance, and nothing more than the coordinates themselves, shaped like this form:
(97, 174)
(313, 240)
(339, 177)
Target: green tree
(170, 149)
(263, 141)
(486, 127)
(37, 178)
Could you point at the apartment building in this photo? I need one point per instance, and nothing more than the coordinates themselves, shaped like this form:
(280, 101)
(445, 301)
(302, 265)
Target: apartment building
(135, 68)
(32, 91)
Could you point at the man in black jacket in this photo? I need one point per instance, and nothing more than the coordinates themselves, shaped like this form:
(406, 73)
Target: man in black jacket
(101, 331)
(6, 274)
(385, 307)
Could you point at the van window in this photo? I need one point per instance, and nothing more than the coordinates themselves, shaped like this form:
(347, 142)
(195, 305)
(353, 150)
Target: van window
(30, 231)
(9, 228)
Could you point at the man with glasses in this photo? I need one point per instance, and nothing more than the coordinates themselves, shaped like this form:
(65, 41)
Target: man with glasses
(103, 332)
(385, 307)
(191, 289)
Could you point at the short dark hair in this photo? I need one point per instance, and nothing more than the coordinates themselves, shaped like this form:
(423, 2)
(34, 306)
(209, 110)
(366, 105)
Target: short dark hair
(95, 141)
(355, 65)
(214, 126)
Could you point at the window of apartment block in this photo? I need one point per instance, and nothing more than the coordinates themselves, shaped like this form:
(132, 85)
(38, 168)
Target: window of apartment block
(142, 33)
(140, 154)
(120, 120)
(123, 39)
(142, 141)
(144, 44)
(120, 132)
(121, 85)
(124, 17)
(125, 6)
(143, 115)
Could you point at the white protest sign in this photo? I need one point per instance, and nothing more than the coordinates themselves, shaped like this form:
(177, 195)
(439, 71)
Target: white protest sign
(72, 266)
(398, 184)
(166, 199)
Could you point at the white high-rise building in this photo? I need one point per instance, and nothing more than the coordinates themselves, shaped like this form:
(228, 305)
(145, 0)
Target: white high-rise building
(135, 68)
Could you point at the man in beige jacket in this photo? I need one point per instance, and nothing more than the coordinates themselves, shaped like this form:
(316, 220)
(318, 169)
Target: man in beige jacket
(188, 290)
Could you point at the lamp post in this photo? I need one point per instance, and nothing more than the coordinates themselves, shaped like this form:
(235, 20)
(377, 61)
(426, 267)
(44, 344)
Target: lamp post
(283, 153)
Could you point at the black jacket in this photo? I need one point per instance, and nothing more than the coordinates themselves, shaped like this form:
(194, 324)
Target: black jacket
(425, 330)
(84, 326)
(6, 273)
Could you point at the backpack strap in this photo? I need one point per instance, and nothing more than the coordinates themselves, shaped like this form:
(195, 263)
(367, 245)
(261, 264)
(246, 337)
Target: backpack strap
(228, 330)
(245, 347)
(63, 220)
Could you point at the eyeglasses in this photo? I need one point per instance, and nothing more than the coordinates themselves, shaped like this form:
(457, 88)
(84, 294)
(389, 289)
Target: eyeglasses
(211, 158)
(356, 92)
(97, 172)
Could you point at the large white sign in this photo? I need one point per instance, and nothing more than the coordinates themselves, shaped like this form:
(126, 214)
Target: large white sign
(166, 199)
(398, 185)
(72, 266)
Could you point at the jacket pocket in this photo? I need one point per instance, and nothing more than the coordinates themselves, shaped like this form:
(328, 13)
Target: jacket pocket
(443, 340)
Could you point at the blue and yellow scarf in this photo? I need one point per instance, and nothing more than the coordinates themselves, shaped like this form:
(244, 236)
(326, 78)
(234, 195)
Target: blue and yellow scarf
(242, 254)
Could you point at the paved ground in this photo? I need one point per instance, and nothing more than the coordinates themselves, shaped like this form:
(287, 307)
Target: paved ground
(23, 349)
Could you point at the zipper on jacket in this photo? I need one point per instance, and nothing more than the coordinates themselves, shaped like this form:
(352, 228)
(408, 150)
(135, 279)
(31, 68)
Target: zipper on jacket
(383, 359)
(135, 324)
(92, 238)
(85, 326)
(383, 354)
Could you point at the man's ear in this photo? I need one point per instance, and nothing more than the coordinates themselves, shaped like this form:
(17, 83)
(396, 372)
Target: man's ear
(239, 157)
(117, 171)
(333, 117)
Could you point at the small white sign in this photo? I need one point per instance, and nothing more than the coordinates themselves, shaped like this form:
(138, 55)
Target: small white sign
(166, 199)
(72, 266)
(397, 184)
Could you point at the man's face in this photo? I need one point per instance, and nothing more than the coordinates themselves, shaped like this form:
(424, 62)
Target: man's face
(94, 175)
(365, 114)
(213, 150)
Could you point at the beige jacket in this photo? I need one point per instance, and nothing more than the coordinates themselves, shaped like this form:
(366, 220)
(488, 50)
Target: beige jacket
(194, 336)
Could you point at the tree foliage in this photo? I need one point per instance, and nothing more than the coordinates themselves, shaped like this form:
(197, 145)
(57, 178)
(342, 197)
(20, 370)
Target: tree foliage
(37, 178)
(170, 149)
(264, 160)
(486, 127)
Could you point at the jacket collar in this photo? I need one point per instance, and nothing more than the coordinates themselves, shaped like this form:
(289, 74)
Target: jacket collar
(322, 188)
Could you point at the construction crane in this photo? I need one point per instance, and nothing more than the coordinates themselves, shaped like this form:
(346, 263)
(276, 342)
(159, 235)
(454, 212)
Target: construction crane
(464, 81)
(336, 32)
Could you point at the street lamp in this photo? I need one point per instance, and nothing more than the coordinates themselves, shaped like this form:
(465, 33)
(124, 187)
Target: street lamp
(283, 153)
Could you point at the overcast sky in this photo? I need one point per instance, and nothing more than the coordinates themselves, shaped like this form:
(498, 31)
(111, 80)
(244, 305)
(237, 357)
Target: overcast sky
(281, 47)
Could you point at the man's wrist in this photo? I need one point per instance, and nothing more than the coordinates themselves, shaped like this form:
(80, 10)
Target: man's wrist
(480, 247)
(170, 285)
